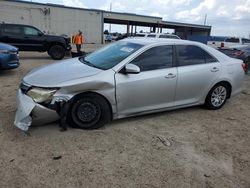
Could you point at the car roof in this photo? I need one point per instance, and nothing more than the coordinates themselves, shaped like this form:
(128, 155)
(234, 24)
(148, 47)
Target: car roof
(3, 23)
(149, 41)
(162, 34)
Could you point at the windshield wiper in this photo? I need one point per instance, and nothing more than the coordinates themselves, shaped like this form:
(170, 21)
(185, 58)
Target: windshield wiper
(82, 59)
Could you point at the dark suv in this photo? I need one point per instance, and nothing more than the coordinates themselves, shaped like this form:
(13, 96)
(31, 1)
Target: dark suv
(29, 38)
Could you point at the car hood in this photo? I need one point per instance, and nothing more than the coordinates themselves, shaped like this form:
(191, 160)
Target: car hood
(54, 74)
(4, 46)
(64, 37)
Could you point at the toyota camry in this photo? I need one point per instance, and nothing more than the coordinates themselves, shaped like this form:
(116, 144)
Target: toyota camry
(130, 77)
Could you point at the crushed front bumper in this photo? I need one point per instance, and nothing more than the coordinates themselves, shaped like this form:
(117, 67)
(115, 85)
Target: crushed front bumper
(31, 113)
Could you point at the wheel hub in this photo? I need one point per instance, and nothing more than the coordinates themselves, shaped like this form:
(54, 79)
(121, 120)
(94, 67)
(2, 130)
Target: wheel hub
(87, 112)
(219, 96)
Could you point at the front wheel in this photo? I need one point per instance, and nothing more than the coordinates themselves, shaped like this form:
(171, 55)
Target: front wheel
(217, 96)
(56, 52)
(89, 111)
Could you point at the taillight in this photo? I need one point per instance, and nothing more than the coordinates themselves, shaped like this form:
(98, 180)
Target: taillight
(239, 53)
(222, 45)
(244, 67)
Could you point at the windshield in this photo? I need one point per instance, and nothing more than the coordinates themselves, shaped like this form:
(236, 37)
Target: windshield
(110, 55)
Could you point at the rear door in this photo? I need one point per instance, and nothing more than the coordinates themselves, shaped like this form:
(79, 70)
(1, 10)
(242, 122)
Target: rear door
(12, 34)
(153, 88)
(197, 71)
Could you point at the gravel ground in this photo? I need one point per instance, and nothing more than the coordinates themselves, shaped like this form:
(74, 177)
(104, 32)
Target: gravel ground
(191, 147)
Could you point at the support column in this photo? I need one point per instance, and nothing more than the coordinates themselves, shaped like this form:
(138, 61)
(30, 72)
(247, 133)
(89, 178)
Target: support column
(127, 28)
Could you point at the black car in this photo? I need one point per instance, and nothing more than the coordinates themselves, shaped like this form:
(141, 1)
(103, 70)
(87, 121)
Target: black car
(241, 52)
(29, 38)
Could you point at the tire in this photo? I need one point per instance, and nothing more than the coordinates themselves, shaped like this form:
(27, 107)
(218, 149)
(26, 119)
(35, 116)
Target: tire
(89, 111)
(217, 96)
(56, 52)
(247, 66)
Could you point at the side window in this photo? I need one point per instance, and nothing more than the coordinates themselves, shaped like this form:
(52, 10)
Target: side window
(151, 36)
(209, 58)
(164, 36)
(192, 55)
(12, 30)
(174, 37)
(30, 31)
(155, 58)
(245, 41)
(234, 40)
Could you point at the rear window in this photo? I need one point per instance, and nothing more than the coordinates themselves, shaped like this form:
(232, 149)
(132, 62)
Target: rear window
(234, 40)
(151, 36)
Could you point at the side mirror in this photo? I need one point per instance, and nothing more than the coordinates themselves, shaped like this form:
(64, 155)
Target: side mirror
(40, 34)
(131, 69)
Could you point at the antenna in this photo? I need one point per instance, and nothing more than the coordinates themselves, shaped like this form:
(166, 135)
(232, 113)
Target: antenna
(205, 21)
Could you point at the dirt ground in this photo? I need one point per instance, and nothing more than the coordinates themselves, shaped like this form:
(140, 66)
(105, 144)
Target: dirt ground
(191, 147)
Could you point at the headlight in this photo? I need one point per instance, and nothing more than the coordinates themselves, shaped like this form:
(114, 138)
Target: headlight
(8, 52)
(41, 95)
(4, 51)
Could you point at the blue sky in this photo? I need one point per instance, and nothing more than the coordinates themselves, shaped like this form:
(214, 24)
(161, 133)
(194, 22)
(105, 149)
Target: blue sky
(230, 18)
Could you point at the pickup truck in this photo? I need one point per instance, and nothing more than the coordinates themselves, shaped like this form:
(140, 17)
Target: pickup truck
(229, 42)
(29, 38)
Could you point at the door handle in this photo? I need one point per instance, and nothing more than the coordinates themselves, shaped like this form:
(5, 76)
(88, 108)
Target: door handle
(170, 75)
(214, 69)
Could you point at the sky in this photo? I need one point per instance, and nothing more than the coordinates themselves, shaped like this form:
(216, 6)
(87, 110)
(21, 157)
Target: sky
(227, 17)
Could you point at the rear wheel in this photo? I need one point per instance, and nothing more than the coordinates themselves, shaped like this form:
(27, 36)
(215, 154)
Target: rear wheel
(56, 52)
(248, 66)
(89, 111)
(217, 96)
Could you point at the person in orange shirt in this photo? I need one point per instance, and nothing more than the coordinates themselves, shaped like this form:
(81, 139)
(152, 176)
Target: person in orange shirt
(78, 41)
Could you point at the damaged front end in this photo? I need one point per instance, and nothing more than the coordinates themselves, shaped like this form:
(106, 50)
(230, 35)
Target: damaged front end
(36, 106)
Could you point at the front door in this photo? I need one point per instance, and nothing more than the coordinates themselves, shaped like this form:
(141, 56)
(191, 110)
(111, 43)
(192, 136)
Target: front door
(12, 34)
(153, 88)
(34, 40)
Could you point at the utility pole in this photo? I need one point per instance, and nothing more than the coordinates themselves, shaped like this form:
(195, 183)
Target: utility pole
(205, 21)
(110, 9)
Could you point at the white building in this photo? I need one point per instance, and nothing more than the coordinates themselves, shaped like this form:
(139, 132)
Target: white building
(59, 19)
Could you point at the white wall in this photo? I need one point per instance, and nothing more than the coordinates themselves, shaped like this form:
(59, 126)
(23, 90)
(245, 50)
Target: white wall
(59, 21)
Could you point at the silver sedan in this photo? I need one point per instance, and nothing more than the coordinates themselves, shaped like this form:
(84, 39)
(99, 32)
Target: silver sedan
(127, 78)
